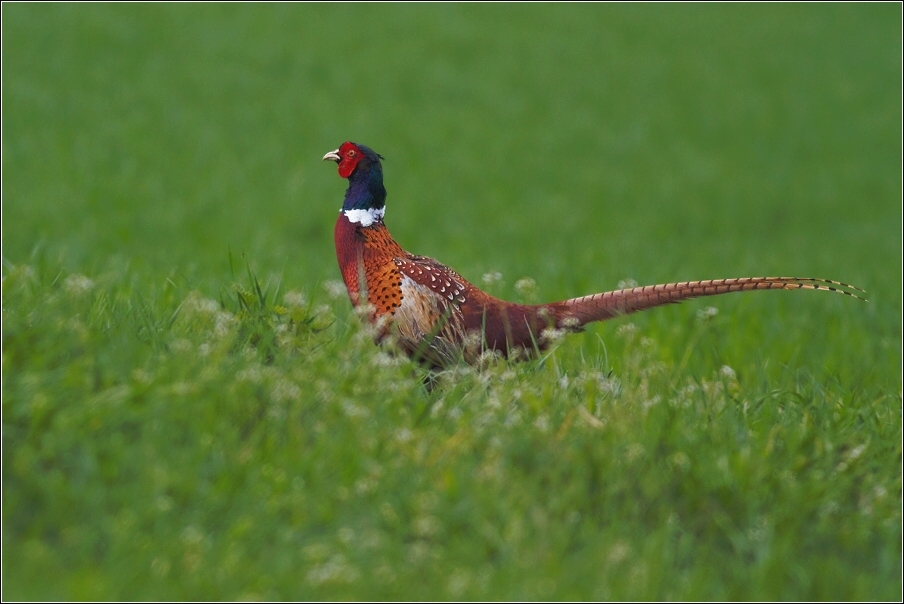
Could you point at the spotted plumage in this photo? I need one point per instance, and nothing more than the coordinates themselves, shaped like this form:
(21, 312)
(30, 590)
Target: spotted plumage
(439, 318)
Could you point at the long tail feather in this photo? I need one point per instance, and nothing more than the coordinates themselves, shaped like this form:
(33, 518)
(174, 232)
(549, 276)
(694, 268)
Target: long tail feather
(599, 307)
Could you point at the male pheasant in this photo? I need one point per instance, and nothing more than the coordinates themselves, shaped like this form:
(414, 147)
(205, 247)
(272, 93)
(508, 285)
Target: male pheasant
(439, 318)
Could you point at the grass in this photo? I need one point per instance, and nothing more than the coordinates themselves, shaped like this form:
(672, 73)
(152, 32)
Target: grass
(191, 411)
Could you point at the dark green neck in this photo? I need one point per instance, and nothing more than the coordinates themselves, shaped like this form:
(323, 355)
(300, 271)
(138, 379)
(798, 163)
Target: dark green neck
(365, 189)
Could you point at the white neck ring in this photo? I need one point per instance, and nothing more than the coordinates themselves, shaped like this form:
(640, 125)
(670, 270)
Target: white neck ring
(365, 217)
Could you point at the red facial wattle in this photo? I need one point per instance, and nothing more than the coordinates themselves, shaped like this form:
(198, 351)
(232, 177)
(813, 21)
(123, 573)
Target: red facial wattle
(349, 156)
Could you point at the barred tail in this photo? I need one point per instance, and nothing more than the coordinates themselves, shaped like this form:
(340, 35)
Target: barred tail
(599, 307)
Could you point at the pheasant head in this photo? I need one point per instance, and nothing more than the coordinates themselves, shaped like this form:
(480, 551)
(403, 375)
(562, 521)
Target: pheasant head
(365, 198)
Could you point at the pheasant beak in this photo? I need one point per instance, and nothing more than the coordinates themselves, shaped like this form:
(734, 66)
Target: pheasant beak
(332, 155)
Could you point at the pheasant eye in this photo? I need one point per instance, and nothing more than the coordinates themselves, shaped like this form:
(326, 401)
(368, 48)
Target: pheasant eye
(351, 153)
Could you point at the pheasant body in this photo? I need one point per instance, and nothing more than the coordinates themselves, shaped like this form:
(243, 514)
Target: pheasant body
(438, 317)
(432, 311)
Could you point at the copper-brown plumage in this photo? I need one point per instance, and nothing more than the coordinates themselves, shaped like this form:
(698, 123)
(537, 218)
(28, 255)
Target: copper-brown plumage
(440, 318)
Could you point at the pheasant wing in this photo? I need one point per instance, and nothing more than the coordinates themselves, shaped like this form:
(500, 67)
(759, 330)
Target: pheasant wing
(429, 321)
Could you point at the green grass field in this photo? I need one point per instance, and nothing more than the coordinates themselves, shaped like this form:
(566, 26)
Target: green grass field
(173, 431)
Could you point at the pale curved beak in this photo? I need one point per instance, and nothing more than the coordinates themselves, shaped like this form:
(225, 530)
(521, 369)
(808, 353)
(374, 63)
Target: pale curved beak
(333, 155)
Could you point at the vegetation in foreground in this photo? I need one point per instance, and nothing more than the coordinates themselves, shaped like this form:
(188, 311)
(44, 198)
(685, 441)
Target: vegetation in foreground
(180, 447)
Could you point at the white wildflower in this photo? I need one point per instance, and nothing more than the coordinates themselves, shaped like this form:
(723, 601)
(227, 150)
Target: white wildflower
(196, 303)
(284, 390)
(381, 359)
(192, 535)
(487, 357)
(23, 272)
(336, 569)
(425, 526)
(364, 486)
(77, 285)
(619, 552)
(570, 323)
(609, 385)
(181, 345)
(352, 410)
(527, 287)
(626, 331)
(856, 452)
(552, 335)
(627, 284)
(252, 374)
(492, 278)
(295, 299)
(707, 313)
(652, 402)
(542, 423)
(223, 321)
(634, 451)
(680, 460)
(459, 581)
(335, 289)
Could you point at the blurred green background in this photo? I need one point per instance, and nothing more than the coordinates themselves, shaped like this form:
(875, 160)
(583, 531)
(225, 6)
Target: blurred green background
(579, 145)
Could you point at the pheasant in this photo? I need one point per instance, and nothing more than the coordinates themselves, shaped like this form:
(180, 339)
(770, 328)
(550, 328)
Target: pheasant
(439, 318)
